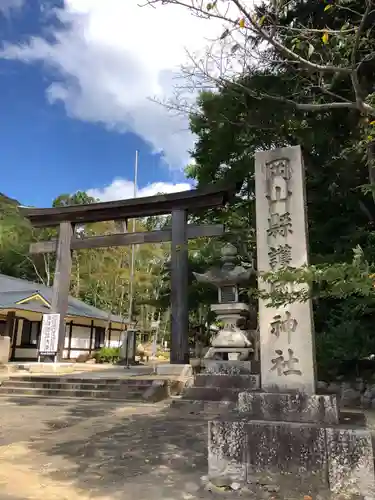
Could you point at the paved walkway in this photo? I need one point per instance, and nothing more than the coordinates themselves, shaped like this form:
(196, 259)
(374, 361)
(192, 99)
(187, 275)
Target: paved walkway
(55, 450)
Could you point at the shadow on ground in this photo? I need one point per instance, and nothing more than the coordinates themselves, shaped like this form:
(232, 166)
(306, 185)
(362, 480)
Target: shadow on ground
(116, 450)
(107, 450)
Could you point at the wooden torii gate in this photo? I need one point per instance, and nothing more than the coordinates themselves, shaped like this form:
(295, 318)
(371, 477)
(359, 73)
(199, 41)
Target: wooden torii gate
(177, 204)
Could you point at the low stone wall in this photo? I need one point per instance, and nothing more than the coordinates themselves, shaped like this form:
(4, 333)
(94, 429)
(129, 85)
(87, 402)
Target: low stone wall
(355, 394)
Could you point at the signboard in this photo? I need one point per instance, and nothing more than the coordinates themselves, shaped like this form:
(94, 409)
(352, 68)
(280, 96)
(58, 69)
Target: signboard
(128, 348)
(131, 345)
(50, 335)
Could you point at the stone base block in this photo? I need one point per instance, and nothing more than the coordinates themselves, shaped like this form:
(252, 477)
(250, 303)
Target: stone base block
(245, 382)
(227, 449)
(298, 407)
(211, 394)
(174, 370)
(291, 456)
(221, 367)
(203, 410)
(350, 462)
(4, 349)
(296, 458)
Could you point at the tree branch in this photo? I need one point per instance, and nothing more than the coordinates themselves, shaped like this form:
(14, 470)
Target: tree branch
(42, 281)
(312, 30)
(258, 30)
(311, 106)
(254, 27)
(282, 48)
(359, 33)
(198, 10)
(348, 9)
(333, 94)
(365, 211)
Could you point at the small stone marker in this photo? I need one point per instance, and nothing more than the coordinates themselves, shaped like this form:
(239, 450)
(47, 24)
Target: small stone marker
(286, 333)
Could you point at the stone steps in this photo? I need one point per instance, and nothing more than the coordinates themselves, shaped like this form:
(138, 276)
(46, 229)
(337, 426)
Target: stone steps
(75, 380)
(75, 387)
(82, 388)
(64, 393)
(77, 384)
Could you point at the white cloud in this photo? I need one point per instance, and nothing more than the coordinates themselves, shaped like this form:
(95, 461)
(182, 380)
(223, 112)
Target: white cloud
(112, 56)
(122, 189)
(7, 5)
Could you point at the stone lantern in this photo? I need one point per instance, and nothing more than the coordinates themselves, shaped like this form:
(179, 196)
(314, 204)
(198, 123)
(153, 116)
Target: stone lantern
(230, 342)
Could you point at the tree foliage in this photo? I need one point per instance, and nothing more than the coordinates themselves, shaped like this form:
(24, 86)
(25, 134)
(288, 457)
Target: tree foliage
(253, 111)
(99, 276)
(287, 72)
(78, 198)
(327, 43)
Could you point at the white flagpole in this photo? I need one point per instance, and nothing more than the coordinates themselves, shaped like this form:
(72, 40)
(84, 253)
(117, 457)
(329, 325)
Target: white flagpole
(131, 288)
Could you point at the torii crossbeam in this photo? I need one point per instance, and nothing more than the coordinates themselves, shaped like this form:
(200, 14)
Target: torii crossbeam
(178, 204)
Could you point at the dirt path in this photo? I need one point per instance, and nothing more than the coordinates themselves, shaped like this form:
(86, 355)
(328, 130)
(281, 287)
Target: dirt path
(66, 450)
(60, 450)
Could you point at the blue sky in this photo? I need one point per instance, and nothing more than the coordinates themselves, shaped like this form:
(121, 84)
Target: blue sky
(75, 90)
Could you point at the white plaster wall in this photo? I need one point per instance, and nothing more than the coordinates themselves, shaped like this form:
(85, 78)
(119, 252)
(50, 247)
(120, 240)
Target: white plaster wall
(74, 354)
(19, 332)
(80, 340)
(4, 349)
(115, 339)
(66, 344)
(80, 337)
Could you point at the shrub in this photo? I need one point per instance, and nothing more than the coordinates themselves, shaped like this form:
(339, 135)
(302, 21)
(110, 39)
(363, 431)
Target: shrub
(107, 355)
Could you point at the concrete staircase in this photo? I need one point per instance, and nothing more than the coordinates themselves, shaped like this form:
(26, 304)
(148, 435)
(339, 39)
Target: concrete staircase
(125, 389)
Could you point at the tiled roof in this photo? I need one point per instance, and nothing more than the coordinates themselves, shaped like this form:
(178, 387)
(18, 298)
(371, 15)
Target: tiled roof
(13, 290)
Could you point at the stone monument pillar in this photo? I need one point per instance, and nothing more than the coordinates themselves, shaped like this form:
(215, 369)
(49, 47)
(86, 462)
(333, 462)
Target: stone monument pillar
(286, 438)
(286, 333)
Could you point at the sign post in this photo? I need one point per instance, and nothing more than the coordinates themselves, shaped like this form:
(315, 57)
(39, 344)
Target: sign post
(128, 348)
(49, 336)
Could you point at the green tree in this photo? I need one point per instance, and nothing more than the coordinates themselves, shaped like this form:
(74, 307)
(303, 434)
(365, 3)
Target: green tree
(78, 198)
(329, 45)
(232, 125)
(15, 235)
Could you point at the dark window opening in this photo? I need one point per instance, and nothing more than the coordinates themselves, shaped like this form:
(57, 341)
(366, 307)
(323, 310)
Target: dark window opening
(99, 337)
(145, 338)
(30, 332)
